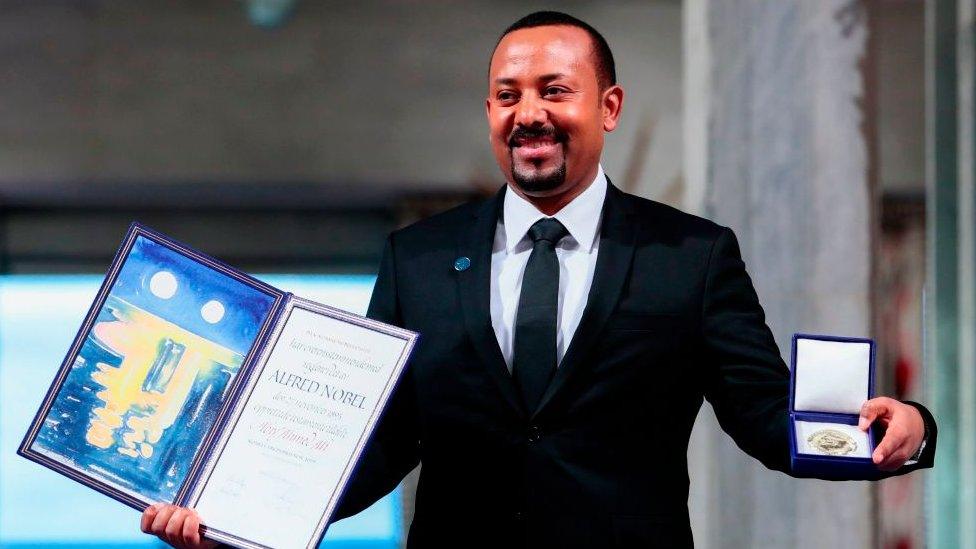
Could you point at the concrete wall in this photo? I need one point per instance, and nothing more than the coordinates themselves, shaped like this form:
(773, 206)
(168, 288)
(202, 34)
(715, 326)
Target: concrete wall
(776, 114)
(899, 86)
(363, 94)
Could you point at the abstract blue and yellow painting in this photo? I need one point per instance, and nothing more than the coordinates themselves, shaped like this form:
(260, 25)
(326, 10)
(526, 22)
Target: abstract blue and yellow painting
(153, 371)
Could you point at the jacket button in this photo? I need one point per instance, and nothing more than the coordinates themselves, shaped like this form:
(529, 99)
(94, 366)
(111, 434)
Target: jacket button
(534, 433)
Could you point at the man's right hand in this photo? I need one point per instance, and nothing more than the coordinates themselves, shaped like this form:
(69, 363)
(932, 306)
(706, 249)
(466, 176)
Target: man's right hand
(177, 526)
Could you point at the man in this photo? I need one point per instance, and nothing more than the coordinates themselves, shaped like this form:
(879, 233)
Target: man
(570, 333)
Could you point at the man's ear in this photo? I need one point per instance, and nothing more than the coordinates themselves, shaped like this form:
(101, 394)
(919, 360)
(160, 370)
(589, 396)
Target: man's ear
(612, 102)
(488, 116)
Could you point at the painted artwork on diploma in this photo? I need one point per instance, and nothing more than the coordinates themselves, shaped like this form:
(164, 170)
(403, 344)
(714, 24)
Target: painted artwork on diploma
(152, 371)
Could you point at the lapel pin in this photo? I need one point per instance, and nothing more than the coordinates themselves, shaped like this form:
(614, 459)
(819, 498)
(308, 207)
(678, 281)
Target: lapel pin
(462, 263)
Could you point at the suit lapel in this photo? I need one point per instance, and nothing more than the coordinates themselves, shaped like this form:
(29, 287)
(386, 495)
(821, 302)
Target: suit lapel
(474, 286)
(612, 269)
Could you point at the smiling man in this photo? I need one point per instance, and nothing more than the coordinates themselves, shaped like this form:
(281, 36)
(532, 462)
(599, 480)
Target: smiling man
(570, 334)
(546, 114)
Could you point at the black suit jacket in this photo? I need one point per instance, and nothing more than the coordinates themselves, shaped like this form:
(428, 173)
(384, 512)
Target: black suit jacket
(671, 319)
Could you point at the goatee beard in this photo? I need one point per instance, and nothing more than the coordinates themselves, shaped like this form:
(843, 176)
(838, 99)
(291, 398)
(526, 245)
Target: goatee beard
(539, 182)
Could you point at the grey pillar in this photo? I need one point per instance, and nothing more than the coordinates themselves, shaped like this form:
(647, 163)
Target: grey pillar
(966, 225)
(951, 274)
(774, 111)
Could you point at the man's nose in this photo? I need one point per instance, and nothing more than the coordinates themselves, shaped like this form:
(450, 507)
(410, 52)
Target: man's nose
(531, 112)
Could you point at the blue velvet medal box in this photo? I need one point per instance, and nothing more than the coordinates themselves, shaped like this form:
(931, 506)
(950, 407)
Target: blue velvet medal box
(830, 379)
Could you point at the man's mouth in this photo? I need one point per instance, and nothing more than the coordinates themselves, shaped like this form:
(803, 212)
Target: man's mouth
(534, 146)
(535, 143)
(536, 149)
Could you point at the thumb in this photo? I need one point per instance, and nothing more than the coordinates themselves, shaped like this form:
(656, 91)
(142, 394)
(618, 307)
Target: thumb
(870, 411)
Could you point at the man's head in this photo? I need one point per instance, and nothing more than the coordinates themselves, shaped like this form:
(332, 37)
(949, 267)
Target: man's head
(552, 93)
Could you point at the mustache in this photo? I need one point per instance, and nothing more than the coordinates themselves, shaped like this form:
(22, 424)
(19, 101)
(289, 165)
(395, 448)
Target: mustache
(521, 133)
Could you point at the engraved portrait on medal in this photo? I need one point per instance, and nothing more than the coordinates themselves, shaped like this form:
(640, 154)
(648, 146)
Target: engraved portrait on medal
(832, 442)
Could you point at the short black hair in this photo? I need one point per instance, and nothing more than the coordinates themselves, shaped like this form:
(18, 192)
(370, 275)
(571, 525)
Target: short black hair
(606, 70)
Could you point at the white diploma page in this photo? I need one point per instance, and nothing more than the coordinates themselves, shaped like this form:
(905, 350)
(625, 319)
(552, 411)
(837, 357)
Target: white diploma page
(281, 463)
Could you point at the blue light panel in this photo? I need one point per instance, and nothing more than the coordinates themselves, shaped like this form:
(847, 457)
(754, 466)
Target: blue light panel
(39, 316)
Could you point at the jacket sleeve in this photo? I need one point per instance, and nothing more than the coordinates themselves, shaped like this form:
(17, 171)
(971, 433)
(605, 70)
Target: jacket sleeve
(393, 449)
(748, 382)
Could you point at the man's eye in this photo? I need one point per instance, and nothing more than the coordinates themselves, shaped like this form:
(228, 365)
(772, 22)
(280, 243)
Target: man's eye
(505, 96)
(553, 90)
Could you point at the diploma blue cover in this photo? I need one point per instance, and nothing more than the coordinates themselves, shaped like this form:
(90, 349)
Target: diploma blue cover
(156, 368)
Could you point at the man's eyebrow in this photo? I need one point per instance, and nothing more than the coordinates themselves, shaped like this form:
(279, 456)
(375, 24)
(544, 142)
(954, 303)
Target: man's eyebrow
(551, 76)
(543, 78)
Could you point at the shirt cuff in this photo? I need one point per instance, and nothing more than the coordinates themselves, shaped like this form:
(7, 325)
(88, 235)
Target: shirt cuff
(918, 455)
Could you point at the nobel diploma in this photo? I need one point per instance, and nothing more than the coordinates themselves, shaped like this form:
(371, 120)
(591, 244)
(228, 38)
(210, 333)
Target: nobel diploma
(291, 447)
(252, 408)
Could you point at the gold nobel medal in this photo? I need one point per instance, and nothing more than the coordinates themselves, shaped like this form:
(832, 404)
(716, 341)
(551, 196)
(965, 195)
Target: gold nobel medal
(832, 442)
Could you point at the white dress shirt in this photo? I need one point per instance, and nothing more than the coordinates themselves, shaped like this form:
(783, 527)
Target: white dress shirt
(576, 254)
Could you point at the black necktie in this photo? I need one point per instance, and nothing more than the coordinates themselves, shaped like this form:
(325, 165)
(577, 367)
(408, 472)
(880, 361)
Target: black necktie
(534, 354)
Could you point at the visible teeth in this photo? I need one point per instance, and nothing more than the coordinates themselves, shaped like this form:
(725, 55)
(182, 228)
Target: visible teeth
(536, 144)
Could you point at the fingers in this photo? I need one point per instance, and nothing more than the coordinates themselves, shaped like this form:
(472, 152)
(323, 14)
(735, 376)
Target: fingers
(177, 526)
(191, 529)
(174, 528)
(904, 435)
(148, 516)
(875, 409)
(893, 450)
(163, 514)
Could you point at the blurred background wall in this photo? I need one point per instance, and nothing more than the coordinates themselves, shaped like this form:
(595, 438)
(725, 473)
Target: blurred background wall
(355, 109)
(290, 136)
(808, 120)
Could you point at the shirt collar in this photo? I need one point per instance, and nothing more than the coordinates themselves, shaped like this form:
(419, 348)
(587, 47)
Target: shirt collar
(581, 216)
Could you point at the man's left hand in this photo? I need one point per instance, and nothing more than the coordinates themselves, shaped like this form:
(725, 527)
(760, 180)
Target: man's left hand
(904, 426)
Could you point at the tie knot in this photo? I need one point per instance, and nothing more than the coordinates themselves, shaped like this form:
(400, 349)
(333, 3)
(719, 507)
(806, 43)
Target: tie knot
(548, 229)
